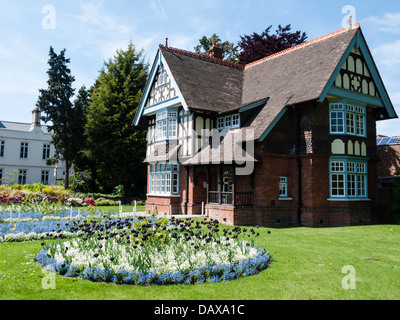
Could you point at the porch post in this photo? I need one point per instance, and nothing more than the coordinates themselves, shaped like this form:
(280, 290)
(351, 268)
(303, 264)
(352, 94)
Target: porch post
(219, 184)
(208, 182)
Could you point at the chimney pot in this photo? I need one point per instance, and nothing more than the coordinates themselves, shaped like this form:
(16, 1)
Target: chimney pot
(216, 52)
(36, 113)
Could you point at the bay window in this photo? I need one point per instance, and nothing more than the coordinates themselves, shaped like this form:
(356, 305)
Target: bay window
(164, 179)
(348, 179)
(348, 119)
(166, 125)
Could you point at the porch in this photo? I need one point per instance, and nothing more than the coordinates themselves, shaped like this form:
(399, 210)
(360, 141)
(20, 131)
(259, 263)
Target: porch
(225, 187)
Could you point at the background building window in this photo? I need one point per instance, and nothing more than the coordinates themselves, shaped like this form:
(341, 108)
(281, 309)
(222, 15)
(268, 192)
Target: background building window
(46, 151)
(2, 143)
(24, 150)
(45, 177)
(22, 177)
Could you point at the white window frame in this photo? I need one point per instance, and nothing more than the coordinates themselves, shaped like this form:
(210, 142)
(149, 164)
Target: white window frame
(347, 119)
(23, 151)
(348, 179)
(164, 179)
(166, 125)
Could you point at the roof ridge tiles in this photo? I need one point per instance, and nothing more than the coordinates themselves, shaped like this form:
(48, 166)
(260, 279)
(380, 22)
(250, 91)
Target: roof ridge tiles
(243, 67)
(304, 44)
(202, 57)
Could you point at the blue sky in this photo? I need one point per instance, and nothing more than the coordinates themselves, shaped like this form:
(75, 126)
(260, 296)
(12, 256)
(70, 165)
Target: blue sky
(92, 31)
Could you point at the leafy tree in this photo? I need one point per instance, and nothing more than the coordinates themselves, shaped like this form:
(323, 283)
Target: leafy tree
(257, 46)
(230, 50)
(114, 146)
(66, 120)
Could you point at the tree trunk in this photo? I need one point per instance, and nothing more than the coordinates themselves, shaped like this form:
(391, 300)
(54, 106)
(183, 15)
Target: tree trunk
(66, 176)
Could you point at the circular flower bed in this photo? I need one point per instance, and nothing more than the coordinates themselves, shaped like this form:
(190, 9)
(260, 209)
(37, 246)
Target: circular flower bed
(155, 252)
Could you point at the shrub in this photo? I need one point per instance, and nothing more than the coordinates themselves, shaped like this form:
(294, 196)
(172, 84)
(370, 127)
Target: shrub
(106, 202)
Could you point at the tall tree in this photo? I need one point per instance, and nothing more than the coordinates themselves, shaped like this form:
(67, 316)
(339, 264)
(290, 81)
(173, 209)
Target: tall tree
(115, 146)
(55, 103)
(230, 50)
(257, 46)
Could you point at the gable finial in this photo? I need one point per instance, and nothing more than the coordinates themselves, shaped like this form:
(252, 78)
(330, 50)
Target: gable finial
(166, 42)
(351, 22)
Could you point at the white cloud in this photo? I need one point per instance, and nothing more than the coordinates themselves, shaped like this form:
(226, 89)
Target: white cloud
(388, 22)
(95, 15)
(388, 54)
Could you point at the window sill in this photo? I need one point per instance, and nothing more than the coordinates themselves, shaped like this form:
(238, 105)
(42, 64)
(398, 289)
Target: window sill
(163, 195)
(285, 199)
(348, 199)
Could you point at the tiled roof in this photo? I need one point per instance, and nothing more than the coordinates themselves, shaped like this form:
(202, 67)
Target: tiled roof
(18, 126)
(293, 76)
(215, 86)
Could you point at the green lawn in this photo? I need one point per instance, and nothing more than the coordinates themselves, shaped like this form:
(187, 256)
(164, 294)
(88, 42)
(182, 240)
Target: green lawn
(305, 264)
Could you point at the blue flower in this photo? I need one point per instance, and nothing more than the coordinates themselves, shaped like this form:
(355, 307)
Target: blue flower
(72, 271)
(178, 277)
(165, 278)
(87, 274)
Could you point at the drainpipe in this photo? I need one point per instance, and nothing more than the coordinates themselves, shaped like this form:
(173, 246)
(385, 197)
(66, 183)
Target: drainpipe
(299, 166)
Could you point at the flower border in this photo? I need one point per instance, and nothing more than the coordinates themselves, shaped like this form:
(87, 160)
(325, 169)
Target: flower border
(204, 274)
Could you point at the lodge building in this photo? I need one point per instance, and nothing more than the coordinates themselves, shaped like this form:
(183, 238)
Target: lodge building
(310, 112)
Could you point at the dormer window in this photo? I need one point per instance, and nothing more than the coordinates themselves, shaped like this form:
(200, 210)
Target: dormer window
(166, 125)
(229, 121)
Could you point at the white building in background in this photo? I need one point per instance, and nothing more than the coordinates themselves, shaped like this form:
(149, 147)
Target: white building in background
(24, 148)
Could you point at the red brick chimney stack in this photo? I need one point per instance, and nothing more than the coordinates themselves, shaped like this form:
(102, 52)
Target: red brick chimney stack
(216, 52)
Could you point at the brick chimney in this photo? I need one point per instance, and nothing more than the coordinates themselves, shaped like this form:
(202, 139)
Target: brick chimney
(36, 113)
(216, 52)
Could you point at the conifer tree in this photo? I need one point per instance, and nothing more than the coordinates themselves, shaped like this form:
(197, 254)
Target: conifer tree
(57, 108)
(115, 147)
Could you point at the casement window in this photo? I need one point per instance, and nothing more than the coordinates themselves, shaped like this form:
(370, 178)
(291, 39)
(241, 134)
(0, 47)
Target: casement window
(45, 177)
(22, 177)
(235, 120)
(283, 187)
(347, 119)
(23, 150)
(348, 179)
(46, 152)
(166, 125)
(164, 179)
(2, 144)
(229, 121)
